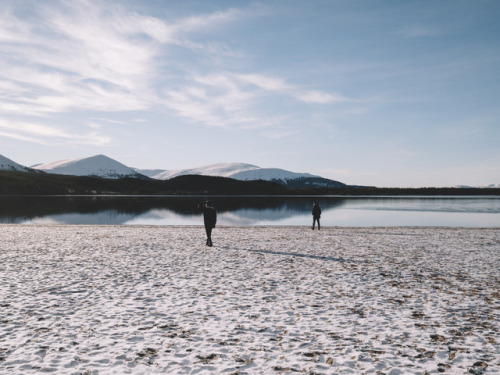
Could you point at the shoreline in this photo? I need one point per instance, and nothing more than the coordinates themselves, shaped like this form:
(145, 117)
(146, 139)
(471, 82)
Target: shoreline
(264, 300)
(248, 227)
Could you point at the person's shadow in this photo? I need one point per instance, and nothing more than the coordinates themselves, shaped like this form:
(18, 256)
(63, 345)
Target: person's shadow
(310, 256)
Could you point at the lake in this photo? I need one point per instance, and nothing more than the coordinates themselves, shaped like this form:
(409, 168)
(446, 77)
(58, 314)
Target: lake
(252, 210)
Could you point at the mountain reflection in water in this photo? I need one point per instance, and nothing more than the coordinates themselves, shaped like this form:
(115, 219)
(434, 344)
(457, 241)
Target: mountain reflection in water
(117, 210)
(251, 210)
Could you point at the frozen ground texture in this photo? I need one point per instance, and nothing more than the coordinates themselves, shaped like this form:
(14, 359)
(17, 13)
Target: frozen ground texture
(263, 300)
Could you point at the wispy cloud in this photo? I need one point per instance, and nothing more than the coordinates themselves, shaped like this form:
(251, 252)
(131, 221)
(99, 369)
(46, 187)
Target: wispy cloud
(86, 55)
(99, 56)
(195, 23)
(49, 135)
(264, 82)
(21, 137)
(279, 133)
(79, 56)
(320, 97)
(228, 99)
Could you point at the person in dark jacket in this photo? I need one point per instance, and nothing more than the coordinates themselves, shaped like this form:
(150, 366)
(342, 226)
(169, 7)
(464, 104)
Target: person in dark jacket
(209, 219)
(316, 212)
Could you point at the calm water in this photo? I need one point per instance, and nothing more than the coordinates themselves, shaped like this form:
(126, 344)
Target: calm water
(337, 211)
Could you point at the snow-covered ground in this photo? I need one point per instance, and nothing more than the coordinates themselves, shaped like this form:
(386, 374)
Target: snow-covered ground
(263, 300)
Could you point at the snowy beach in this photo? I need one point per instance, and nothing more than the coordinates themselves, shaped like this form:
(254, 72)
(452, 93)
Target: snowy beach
(263, 300)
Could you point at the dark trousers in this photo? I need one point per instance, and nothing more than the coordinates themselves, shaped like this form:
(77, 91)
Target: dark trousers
(209, 235)
(314, 222)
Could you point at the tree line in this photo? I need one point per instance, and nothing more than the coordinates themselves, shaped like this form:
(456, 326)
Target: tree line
(26, 183)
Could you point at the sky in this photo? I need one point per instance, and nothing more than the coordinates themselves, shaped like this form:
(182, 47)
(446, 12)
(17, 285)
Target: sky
(376, 92)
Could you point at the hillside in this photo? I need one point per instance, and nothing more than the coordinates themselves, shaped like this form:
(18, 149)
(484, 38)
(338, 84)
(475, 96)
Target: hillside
(22, 183)
(250, 172)
(216, 170)
(103, 166)
(31, 183)
(97, 166)
(9, 165)
(93, 171)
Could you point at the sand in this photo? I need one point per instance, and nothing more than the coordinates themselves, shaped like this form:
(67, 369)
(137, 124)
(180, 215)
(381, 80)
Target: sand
(263, 300)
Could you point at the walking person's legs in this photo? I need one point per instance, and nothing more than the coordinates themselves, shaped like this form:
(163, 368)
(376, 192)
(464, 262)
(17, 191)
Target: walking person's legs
(208, 230)
(209, 235)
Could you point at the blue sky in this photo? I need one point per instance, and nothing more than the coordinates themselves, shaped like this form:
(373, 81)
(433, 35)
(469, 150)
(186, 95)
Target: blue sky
(385, 93)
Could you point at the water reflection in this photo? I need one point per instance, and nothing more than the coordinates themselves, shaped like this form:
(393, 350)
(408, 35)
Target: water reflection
(152, 210)
(337, 211)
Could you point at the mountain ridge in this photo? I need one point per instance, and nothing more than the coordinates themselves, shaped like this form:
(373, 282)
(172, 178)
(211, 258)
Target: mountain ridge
(97, 166)
(103, 166)
(218, 169)
(239, 171)
(7, 164)
(16, 183)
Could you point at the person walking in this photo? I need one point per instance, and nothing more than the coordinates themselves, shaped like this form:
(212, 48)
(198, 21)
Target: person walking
(316, 212)
(209, 219)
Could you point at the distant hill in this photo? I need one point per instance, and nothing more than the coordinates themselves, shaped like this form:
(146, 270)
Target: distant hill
(8, 165)
(36, 183)
(102, 175)
(250, 172)
(33, 183)
(491, 186)
(103, 166)
(151, 173)
(222, 185)
(216, 170)
(97, 166)
(287, 178)
(310, 183)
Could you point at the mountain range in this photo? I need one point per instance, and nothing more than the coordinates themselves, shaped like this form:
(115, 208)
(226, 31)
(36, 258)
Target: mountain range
(105, 167)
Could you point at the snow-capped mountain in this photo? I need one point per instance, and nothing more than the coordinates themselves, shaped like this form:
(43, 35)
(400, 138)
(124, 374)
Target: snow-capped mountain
(249, 172)
(287, 178)
(220, 170)
(8, 165)
(98, 166)
(103, 166)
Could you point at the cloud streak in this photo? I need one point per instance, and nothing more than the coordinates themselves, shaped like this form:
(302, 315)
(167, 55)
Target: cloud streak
(49, 135)
(97, 56)
(84, 55)
(320, 97)
(227, 99)
(80, 56)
